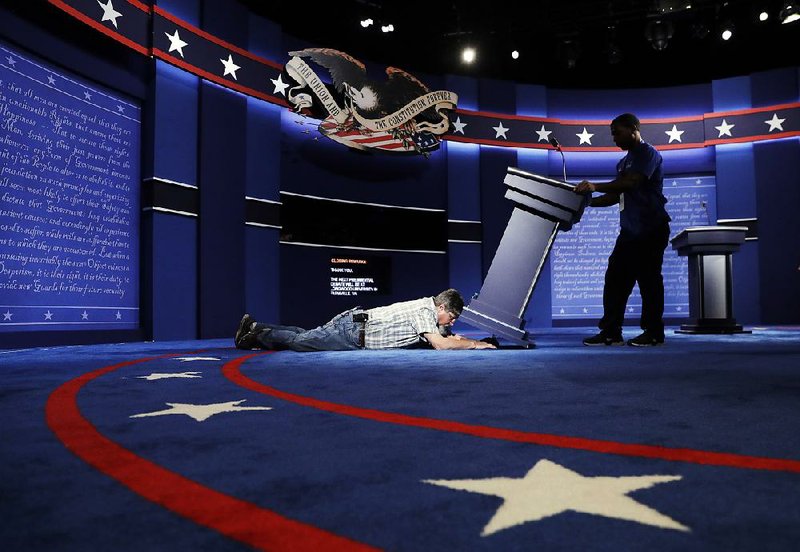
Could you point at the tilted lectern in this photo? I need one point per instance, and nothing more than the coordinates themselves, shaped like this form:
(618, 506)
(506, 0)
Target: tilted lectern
(709, 249)
(542, 207)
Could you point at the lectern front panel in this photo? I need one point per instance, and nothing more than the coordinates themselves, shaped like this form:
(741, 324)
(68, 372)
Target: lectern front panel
(715, 301)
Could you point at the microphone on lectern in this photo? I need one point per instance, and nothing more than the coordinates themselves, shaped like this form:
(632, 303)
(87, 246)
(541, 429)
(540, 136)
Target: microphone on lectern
(554, 142)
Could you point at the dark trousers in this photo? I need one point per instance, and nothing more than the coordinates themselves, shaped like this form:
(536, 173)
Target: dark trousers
(340, 334)
(638, 260)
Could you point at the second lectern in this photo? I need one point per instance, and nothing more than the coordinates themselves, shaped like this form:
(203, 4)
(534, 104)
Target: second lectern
(542, 207)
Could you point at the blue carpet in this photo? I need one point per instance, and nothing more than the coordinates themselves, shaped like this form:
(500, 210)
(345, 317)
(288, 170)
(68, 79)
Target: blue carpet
(690, 446)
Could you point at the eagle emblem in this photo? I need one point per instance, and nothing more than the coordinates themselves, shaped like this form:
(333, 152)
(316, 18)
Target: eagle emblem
(398, 114)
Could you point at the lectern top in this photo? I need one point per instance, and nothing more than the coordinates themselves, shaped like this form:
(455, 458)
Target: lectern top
(715, 228)
(540, 178)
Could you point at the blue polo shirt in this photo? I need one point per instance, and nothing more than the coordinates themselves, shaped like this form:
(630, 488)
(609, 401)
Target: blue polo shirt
(642, 209)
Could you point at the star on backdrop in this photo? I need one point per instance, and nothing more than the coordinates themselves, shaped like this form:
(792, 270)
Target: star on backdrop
(158, 376)
(230, 67)
(724, 129)
(87, 95)
(674, 134)
(775, 123)
(280, 86)
(84, 315)
(544, 135)
(549, 489)
(109, 13)
(7, 315)
(500, 131)
(459, 125)
(585, 137)
(118, 315)
(120, 109)
(11, 61)
(48, 315)
(51, 80)
(175, 43)
(201, 412)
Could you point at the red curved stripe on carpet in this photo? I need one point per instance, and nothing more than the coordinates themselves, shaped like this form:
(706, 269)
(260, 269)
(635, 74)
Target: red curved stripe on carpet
(234, 518)
(232, 371)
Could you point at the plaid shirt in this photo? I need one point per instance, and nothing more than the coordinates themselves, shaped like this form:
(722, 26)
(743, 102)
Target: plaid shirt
(400, 324)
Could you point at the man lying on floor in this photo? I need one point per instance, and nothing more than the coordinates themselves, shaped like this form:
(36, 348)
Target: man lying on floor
(396, 326)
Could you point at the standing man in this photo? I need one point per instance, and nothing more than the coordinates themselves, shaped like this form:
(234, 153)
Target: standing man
(397, 326)
(643, 236)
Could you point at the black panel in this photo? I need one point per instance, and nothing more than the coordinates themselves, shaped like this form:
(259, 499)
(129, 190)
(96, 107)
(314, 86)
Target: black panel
(329, 222)
(465, 231)
(261, 212)
(157, 193)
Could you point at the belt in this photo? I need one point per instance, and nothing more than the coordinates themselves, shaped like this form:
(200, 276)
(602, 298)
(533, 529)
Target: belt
(360, 319)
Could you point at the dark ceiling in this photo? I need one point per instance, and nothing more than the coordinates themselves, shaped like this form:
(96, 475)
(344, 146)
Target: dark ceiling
(562, 43)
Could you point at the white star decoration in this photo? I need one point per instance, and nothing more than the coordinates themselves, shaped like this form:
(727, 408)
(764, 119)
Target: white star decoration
(724, 129)
(158, 376)
(120, 109)
(459, 125)
(7, 315)
(51, 80)
(48, 315)
(544, 135)
(230, 67)
(201, 412)
(109, 13)
(775, 123)
(585, 137)
(119, 315)
(549, 489)
(84, 315)
(175, 42)
(192, 359)
(87, 95)
(500, 130)
(280, 86)
(674, 134)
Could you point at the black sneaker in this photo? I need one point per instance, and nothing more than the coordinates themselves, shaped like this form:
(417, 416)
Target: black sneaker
(243, 338)
(603, 339)
(647, 339)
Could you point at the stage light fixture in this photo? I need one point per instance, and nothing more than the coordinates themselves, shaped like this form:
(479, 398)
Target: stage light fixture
(659, 33)
(366, 22)
(515, 54)
(763, 16)
(790, 13)
(387, 28)
(468, 55)
(727, 31)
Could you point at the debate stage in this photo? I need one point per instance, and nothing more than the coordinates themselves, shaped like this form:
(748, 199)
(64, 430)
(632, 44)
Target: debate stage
(691, 446)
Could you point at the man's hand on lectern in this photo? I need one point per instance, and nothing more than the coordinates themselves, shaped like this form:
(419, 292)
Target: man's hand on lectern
(584, 187)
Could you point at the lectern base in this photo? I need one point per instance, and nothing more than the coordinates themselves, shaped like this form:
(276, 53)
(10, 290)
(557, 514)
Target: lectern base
(495, 327)
(712, 326)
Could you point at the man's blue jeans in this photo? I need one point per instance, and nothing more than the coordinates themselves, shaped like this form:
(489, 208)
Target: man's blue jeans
(340, 334)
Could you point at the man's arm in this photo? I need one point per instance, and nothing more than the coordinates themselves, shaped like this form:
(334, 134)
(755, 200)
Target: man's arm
(625, 182)
(605, 200)
(439, 342)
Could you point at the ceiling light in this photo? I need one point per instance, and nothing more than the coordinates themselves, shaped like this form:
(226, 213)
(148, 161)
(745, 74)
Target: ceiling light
(789, 13)
(366, 22)
(387, 28)
(468, 55)
(658, 33)
(727, 32)
(515, 54)
(763, 16)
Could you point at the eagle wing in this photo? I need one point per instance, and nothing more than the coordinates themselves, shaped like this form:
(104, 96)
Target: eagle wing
(342, 67)
(401, 88)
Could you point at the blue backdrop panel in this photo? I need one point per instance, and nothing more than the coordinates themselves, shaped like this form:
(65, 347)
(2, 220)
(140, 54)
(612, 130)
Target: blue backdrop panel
(223, 116)
(262, 267)
(464, 195)
(170, 272)
(495, 208)
(580, 256)
(69, 217)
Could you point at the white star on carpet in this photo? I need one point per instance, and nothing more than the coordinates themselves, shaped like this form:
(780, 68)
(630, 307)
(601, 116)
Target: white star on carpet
(674, 134)
(175, 42)
(51, 80)
(544, 135)
(280, 86)
(775, 123)
(87, 95)
(84, 315)
(109, 13)
(585, 137)
(549, 489)
(192, 359)
(459, 125)
(230, 67)
(724, 129)
(48, 315)
(201, 412)
(11, 61)
(158, 376)
(500, 130)
(7, 315)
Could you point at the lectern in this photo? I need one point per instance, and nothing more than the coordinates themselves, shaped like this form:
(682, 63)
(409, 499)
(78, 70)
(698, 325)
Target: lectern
(542, 207)
(709, 249)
